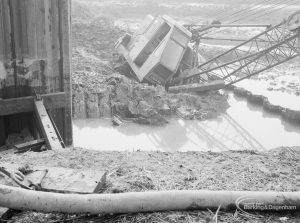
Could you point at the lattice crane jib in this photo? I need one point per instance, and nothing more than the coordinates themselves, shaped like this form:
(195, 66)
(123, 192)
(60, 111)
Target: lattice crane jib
(274, 46)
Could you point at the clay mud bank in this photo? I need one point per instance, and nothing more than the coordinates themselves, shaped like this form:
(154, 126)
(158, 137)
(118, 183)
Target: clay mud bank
(287, 114)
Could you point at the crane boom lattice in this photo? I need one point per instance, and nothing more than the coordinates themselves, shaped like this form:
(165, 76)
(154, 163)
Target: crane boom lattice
(270, 48)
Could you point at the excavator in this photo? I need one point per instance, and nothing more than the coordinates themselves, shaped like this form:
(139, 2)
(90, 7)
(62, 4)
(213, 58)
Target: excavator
(164, 52)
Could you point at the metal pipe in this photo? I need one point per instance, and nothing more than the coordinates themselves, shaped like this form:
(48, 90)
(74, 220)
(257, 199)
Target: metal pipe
(22, 199)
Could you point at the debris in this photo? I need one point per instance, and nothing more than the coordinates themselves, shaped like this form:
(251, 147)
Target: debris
(60, 180)
(7, 214)
(34, 145)
(101, 186)
(23, 136)
(116, 120)
(17, 177)
(64, 180)
(283, 218)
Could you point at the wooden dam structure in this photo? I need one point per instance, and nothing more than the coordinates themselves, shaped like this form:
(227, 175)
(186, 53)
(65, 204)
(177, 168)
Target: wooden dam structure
(35, 70)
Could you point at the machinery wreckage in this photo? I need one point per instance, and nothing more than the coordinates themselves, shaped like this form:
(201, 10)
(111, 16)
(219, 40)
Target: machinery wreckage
(161, 52)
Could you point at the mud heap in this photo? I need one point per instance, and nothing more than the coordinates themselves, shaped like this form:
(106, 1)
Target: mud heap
(99, 91)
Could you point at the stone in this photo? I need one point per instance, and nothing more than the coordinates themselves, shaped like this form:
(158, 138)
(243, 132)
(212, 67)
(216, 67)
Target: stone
(92, 106)
(79, 110)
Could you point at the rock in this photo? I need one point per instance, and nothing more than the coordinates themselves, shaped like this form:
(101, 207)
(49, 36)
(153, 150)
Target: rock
(123, 91)
(139, 108)
(185, 113)
(291, 115)
(146, 93)
(272, 108)
(122, 110)
(256, 99)
(165, 110)
(103, 104)
(241, 92)
(78, 108)
(147, 115)
(143, 108)
(92, 108)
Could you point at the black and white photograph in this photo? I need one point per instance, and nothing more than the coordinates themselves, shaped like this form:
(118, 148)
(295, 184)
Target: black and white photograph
(144, 111)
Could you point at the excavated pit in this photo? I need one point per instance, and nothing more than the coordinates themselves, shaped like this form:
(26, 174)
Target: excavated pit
(100, 92)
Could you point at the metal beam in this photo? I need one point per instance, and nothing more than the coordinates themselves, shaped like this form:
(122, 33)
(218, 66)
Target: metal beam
(262, 52)
(203, 28)
(233, 25)
(196, 87)
(26, 104)
(47, 128)
(230, 39)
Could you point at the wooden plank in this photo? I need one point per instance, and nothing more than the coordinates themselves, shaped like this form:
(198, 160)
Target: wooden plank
(54, 100)
(7, 28)
(24, 27)
(40, 28)
(2, 42)
(26, 104)
(27, 145)
(197, 87)
(31, 21)
(48, 131)
(64, 7)
(48, 33)
(2, 132)
(55, 81)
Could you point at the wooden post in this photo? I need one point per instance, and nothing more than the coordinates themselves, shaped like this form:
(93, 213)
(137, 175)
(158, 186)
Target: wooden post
(2, 126)
(2, 132)
(65, 66)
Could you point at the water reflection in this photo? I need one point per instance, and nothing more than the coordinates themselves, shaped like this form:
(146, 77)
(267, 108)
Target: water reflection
(275, 97)
(267, 128)
(245, 126)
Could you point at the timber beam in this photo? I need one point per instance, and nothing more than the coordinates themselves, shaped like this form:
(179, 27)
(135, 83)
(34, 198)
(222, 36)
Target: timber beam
(46, 126)
(198, 87)
(26, 104)
(34, 145)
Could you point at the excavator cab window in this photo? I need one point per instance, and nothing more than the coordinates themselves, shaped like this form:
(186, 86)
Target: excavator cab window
(157, 32)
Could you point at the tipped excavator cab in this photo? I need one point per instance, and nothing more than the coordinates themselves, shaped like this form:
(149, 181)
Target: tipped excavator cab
(156, 49)
(159, 53)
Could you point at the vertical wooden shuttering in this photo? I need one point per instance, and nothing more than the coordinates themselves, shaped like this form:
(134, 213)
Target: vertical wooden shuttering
(37, 32)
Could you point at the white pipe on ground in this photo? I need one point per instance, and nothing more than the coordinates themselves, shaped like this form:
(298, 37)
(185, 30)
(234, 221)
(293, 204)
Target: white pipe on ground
(22, 199)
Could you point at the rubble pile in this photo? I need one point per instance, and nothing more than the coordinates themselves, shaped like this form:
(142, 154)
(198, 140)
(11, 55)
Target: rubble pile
(142, 103)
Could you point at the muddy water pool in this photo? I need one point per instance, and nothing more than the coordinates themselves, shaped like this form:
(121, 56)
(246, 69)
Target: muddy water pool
(244, 126)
